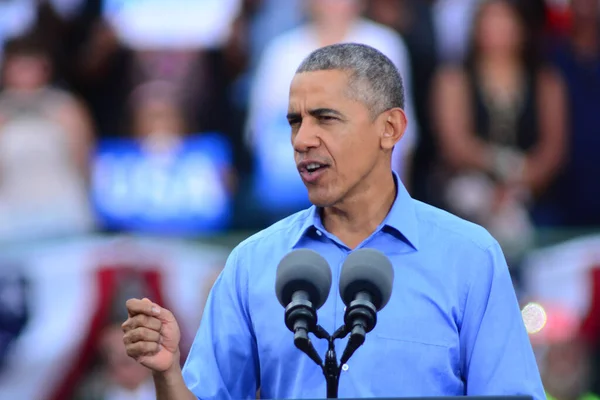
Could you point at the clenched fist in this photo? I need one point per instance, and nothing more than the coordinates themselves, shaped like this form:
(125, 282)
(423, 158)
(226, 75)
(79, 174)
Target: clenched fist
(151, 335)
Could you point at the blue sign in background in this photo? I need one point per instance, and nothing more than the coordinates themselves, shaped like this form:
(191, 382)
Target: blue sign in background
(180, 192)
(277, 182)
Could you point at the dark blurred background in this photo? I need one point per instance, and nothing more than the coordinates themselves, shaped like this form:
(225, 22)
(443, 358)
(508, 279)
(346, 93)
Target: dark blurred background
(141, 140)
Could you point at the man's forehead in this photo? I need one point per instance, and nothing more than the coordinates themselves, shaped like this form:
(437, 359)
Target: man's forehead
(324, 79)
(319, 88)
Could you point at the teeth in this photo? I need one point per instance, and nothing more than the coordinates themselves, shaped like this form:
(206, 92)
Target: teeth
(312, 166)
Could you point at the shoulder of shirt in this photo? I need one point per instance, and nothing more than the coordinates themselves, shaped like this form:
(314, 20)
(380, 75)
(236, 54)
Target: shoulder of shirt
(456, 228)
(281, 230)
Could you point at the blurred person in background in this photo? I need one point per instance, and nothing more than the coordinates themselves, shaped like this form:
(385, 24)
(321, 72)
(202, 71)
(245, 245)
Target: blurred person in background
(181, 42)
(101, 72)
(156, 116)
(112, 374)
(45, 140)
(159, 123)
(271, 19)
(575, 199)
(502, 126)
(165, 178)
(267, 130)
(257, 23)
(453, 20)
(414, 21)
(120, 377)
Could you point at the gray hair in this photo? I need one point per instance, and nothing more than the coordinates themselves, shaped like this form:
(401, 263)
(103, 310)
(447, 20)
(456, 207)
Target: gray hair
(374, 80)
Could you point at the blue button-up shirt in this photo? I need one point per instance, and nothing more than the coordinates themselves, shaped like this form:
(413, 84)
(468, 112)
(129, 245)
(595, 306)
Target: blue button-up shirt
(452, 326)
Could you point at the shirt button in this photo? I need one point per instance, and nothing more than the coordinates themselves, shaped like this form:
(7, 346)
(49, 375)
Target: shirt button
(345, 367)
(319, 232)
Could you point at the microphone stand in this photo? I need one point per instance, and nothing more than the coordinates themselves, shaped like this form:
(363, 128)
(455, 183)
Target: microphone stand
(331, 369)
(301, 318)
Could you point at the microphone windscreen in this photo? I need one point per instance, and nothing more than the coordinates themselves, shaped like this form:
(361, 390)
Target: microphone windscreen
(306, 270)
(367, 270)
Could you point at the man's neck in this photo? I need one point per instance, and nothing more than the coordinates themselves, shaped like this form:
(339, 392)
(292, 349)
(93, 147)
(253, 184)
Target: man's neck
(357, 217)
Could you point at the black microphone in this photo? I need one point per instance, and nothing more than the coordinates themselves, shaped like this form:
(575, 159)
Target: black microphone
(302, 285)
(366, 284)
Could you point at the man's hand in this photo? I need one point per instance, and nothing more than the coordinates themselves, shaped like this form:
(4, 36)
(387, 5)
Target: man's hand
(151, 335)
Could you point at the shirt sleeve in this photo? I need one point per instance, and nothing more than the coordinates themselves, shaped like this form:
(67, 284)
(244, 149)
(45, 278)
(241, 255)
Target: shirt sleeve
(496, 351)
(223, 362)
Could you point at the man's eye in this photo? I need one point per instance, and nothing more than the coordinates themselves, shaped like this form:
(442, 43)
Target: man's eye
(327, 118)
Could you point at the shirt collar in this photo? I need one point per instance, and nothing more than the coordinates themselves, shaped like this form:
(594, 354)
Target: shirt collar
(402, 218)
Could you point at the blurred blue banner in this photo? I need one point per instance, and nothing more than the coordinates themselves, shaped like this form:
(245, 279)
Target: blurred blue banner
(278, 188)
(182, 191)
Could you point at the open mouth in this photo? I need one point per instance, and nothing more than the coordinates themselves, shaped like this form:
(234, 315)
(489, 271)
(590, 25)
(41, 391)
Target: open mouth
(311, 171)
(314, 167)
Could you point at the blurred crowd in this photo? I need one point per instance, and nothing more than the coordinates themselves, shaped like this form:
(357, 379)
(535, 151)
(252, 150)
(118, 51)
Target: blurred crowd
(168, 118)
(98, 98)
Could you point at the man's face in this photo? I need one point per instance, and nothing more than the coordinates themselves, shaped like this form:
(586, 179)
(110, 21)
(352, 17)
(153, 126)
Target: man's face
(336, 141)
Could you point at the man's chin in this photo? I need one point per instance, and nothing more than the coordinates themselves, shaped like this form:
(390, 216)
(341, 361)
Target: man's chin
(321, 200)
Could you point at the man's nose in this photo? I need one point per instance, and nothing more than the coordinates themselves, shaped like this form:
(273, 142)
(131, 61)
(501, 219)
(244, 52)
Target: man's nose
(305, 138)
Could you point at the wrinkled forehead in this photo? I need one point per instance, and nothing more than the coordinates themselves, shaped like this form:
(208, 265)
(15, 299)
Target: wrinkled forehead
(316, 89)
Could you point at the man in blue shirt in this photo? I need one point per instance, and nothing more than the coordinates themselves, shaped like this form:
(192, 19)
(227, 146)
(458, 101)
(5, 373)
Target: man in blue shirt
(452, 325)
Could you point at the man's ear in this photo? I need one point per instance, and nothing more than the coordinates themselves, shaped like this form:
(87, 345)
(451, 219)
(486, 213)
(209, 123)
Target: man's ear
(394, 126)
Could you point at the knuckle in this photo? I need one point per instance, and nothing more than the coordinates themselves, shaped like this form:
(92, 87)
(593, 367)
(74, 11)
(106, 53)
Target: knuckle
(146, 303)
(153, 323)
(130, 303)
(134, 335)
(145, 347)
(141, 320)
(127, 338)
(147, 334)
(144, 334)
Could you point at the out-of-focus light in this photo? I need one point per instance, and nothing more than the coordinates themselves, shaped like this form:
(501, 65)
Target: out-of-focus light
(534, 317)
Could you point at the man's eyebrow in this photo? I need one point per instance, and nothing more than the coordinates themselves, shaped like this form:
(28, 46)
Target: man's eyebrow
(319, 112)
(316, 112)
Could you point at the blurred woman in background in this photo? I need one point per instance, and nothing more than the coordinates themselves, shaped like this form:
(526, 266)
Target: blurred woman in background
(501, 125)
(45, 139)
